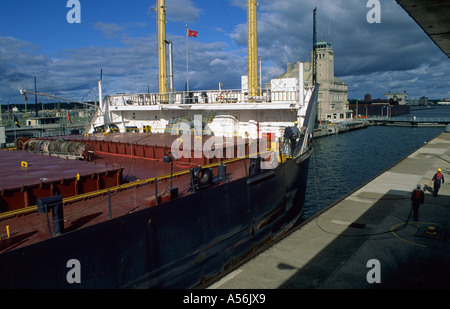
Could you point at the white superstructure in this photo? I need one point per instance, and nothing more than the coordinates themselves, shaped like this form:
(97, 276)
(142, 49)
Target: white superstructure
(223, 112)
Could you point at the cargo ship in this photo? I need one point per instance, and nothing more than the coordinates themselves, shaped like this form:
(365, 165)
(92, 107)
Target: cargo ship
(165, 190)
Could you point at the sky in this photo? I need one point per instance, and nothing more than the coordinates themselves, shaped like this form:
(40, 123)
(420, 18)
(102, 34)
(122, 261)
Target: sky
(119, 39)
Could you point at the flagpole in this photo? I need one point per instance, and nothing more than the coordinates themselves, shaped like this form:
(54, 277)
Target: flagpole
(187, 60)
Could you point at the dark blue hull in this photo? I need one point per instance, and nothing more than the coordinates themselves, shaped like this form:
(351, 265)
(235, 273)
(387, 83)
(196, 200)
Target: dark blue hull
(179, 244)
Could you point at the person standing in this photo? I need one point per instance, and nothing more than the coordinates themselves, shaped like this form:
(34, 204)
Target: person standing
(295, 135)
(417, 198)
(291, 134)
(438, 179)
(295, 130)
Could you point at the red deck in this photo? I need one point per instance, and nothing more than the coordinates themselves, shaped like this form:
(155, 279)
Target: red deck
(153, 146)
(26, 177)
(88, 210)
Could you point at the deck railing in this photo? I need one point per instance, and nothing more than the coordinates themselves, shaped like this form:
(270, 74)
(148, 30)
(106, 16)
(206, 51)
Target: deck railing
(417, 119)
(205, 97)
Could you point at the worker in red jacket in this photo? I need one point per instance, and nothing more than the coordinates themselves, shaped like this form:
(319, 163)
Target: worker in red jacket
(417, 198)
(438, 179)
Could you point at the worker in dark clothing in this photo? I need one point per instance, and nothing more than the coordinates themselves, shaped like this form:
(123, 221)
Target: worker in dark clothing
(417, 198)
(291, 134)
(288, 134)
(295, 135)
(296, 130)
(438, 179)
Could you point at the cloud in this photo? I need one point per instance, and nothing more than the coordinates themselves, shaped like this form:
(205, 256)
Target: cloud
(18, 59)
(183, 11)
(110, 30)
(74, 72)
(371, 58)
(209, 64)
(425, 80)
(362, 50)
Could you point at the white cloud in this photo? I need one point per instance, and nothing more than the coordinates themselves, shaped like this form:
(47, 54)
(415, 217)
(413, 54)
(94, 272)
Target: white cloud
(371, 58)
(110, 30)
(183, 11)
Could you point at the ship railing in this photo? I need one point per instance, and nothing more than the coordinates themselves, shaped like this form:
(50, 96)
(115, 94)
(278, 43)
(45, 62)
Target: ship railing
(412, 119)
(309, 121)
(204, 97)
(34, 127)
(63, 124)
(308, 93)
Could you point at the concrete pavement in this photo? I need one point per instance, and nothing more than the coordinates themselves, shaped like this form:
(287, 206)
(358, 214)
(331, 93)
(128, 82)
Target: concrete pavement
(365, 240)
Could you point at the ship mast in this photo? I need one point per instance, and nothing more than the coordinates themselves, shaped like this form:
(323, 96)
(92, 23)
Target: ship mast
(162, 58)
(314, 54)
(252, 43)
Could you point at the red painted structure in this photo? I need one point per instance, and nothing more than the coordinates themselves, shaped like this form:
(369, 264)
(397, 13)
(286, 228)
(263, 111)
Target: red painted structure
(26, 177)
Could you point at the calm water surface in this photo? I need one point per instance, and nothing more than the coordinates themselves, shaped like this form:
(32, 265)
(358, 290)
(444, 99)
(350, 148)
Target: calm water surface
(341, 163)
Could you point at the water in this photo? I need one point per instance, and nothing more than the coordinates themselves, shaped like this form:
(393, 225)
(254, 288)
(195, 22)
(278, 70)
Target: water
(341, 163)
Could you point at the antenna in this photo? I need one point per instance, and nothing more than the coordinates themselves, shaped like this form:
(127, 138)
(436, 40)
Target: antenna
(329, 30)
(36, 107)
(314, 60)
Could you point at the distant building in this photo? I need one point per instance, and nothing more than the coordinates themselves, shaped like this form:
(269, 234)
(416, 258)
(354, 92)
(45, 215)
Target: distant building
(399, 97)
(333, 92)
(367, 98)
(423, 101)
(38, 121)
(413, 102)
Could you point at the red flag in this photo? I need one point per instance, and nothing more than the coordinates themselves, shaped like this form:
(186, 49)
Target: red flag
(68, 118)
(192, 33)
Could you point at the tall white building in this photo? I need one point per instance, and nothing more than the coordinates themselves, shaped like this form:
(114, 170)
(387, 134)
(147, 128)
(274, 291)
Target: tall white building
(333, 92)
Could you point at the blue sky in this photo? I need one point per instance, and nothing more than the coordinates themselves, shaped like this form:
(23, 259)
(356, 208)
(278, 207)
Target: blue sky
(120, 38)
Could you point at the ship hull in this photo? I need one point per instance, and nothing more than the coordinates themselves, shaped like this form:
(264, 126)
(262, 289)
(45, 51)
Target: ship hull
(179, 244)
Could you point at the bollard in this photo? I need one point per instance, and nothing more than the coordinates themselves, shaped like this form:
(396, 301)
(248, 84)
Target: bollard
(53, 203)
(7, 231)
